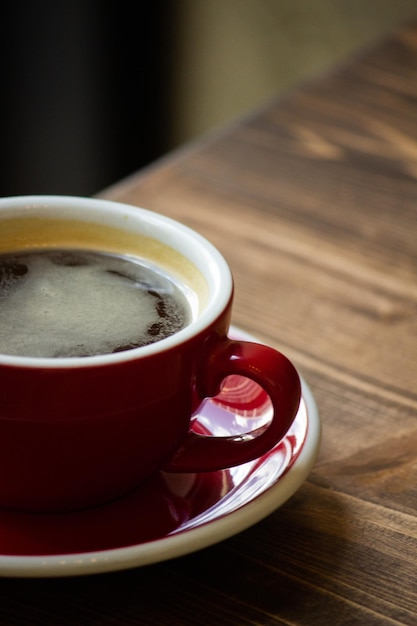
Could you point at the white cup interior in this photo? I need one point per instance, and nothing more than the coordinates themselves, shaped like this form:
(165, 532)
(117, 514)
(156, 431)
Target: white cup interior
(136, 223)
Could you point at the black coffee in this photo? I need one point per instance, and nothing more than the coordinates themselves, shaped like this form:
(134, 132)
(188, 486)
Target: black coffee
(71, 303)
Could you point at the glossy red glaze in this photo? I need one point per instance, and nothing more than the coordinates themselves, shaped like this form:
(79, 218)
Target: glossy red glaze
(164, 505)
(267, 367)
(73, 438)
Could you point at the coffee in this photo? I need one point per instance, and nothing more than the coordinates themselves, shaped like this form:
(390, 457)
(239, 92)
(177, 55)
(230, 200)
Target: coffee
(75, 303)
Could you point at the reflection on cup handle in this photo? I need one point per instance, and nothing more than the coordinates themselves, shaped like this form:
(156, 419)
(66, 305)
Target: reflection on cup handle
(272, 371)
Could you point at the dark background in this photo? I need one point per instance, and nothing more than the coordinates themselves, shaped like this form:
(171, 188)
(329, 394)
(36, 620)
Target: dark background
(83, 93)
(93, 90)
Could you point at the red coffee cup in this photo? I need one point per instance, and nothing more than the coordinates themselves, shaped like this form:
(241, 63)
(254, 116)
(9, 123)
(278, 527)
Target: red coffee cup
(79, 431)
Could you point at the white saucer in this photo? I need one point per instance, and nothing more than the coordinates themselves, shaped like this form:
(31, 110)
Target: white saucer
(171, 515)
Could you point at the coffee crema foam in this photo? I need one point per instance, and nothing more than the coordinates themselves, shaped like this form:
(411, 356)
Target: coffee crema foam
(25, 233)
(72, 303)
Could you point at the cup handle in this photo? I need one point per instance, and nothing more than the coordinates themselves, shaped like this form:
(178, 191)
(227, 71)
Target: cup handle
(274, 373)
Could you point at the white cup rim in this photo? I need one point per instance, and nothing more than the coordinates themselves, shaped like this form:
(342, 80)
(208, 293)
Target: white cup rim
(192, 245)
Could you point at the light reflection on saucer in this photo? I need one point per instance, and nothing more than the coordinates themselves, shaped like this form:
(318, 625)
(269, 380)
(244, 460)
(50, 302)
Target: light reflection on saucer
(245, 482)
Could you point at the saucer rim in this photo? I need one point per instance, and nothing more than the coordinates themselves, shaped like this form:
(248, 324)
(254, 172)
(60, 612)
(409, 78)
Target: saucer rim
(192, 539)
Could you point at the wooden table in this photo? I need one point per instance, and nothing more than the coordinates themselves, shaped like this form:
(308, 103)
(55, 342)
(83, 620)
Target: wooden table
(313, 201)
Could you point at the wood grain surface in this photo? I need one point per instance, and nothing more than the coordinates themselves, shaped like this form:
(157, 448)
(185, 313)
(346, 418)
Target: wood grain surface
(313, 202)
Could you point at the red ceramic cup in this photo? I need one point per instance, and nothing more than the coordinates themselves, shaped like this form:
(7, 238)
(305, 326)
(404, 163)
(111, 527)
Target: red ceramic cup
(79, 431)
